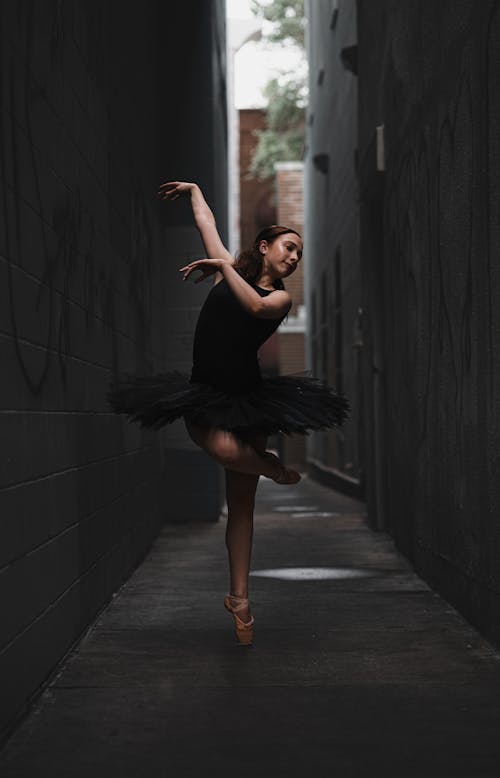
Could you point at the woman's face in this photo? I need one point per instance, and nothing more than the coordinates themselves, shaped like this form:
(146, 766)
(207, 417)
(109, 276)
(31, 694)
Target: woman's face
(282, 255)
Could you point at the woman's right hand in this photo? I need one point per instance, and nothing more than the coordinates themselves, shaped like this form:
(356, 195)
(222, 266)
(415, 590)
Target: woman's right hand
(171, 190)
(208, 267)
(203, 216)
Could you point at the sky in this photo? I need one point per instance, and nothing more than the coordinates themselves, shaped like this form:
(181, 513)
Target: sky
(256, 62)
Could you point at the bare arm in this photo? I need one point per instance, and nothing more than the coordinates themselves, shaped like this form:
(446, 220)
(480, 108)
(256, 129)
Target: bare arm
(203, 216)
(273, 306)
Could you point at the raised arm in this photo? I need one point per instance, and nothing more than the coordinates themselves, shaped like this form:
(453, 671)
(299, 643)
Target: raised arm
(203, 216)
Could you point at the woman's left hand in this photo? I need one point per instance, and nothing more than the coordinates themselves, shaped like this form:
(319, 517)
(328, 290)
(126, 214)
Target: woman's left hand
(207, 266)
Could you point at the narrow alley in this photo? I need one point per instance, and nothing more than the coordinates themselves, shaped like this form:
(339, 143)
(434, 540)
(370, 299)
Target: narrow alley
(358, 668)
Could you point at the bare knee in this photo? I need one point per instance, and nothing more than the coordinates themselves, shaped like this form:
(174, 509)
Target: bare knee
(224, 448)
(221, 445)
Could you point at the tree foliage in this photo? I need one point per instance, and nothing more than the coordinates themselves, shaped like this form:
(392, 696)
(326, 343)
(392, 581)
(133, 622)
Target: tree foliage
(287, 17)
(283, 140)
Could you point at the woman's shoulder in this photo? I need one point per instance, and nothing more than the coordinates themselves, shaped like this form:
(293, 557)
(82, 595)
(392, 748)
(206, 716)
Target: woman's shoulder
(265, 292)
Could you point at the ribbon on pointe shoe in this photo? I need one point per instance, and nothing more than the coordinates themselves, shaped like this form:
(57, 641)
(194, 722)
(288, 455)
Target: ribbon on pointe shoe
(244, 629)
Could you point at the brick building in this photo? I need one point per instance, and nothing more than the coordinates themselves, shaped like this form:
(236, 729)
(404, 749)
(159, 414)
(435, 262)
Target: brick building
(257, 198)
(291, 334)
(279, 200)
(257, 209)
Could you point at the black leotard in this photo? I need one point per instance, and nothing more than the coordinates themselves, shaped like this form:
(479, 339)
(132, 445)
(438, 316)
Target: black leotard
(227, 339)
(226, 389)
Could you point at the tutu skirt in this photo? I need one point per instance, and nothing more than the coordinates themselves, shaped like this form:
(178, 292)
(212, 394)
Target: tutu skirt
(288, 404)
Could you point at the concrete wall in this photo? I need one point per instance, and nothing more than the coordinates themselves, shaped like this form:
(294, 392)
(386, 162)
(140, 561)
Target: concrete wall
(429, 73)
(422, 271)
(99, 103)
(331, 260)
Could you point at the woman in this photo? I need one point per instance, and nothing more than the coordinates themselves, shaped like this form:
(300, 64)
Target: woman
(228, 408)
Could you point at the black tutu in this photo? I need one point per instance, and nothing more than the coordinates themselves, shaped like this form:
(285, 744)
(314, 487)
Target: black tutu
(288, 404)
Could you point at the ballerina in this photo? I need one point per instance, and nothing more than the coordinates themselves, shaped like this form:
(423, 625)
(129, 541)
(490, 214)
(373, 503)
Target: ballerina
(229, 409)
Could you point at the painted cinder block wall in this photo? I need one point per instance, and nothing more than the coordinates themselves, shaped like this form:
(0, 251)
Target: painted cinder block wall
(92, 118)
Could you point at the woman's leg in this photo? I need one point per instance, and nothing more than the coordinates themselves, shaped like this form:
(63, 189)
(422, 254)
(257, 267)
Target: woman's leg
(240, 496)
(241, 486)
(236, 454)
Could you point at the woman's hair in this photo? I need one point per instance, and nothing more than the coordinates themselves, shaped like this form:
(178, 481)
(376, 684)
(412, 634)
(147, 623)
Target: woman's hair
(249, 261)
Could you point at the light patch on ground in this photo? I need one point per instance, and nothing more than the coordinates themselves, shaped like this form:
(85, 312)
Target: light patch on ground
(313, 573)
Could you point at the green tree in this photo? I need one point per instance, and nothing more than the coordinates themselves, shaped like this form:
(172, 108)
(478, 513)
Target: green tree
(283, 140)
(287, 17)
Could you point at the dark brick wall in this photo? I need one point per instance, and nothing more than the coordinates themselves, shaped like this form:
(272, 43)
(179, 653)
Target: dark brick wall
(429, 73)
(99, 103)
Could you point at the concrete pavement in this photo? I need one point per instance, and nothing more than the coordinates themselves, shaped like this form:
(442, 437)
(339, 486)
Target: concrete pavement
(358, 668)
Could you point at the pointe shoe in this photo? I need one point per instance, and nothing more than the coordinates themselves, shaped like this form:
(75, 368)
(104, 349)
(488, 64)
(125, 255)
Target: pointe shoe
(285, 475)
(244, 630)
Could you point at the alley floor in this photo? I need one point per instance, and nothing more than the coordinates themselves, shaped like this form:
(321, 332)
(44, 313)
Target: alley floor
(358, 668)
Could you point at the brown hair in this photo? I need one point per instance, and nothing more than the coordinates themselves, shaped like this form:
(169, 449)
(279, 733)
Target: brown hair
(249, 261)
